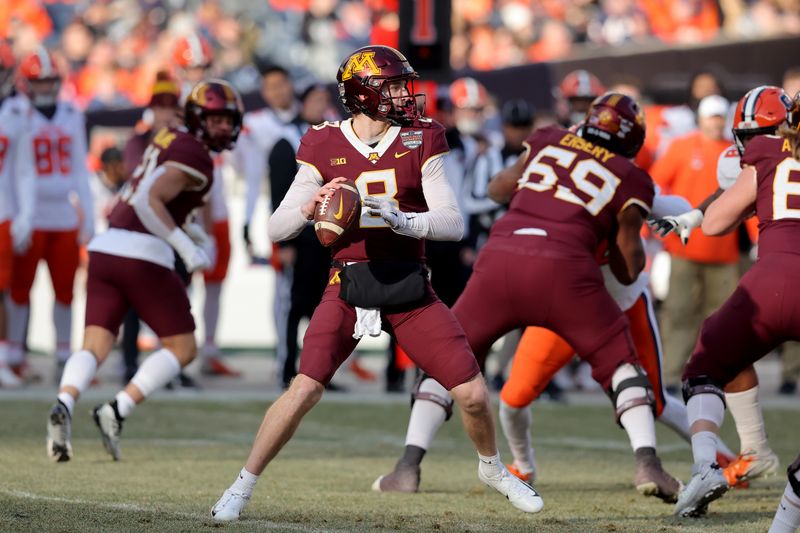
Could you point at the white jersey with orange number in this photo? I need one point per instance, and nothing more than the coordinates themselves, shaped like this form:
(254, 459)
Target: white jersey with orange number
(16, 173)
(59, 161)
(728, 167)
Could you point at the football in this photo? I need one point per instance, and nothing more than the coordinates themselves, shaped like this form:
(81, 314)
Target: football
(337, 213)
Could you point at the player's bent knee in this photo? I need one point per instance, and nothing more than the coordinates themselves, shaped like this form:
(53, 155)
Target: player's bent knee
(428, 389)
(182, 346)
(472, 397)
(630, 388)
(305, 390)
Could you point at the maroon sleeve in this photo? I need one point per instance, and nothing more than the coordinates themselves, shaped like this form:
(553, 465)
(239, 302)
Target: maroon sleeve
(132, 153)
(312, 147)
(189, 155)
(434, 141)
(636, 188)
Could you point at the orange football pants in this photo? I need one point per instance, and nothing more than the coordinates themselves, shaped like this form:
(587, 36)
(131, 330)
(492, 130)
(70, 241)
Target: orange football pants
(6, 255)
(541, 354)
(61, 251)
(222, 236)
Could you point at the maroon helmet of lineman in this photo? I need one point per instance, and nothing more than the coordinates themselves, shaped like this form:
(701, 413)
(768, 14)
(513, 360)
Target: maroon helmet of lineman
(364, 78)
(615, 122)
(213, 97)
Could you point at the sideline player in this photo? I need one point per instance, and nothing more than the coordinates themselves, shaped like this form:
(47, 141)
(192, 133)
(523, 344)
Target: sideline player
(542, 251)
(763, 311)
(17, 193)
(132, 264)
(59, 157)
(759, 112)
(395, 158)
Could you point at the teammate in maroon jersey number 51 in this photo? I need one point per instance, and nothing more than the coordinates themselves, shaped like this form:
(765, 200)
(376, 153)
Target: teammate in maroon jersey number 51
(132, 264)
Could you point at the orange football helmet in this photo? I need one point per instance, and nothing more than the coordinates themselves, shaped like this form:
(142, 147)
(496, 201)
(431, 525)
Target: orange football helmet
(760, 112)
(193, 51)
(581, 84)
(40, 77)
(468, 92)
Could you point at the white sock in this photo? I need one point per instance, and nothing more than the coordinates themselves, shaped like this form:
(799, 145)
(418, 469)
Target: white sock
(62, 319)
(211, 310)
(68, 400)
(674, 417)
(704, 447)
(490, 465)
(426, 416)
(705, 406)
(637, 421)
(749, 419)
(79, 370)
(787, 517)
(245, 482)
(156, 371)
(516, 424)
(125, 404)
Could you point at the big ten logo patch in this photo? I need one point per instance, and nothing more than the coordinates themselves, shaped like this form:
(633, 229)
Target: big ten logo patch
(338, 161)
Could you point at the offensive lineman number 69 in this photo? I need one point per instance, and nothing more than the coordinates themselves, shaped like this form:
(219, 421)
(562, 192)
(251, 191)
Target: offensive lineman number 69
(600, 196)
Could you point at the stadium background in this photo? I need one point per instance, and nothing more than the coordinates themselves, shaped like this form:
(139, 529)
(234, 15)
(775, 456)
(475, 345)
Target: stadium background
(111, 50)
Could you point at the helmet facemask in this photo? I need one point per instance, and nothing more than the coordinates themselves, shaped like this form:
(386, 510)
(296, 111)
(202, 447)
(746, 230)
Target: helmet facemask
(44, 92)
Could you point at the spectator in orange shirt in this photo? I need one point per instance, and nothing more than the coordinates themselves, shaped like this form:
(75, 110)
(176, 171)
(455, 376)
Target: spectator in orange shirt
(705, 271)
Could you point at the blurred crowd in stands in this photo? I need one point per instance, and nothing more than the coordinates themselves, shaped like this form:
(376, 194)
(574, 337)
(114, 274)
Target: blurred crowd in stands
(112, 49)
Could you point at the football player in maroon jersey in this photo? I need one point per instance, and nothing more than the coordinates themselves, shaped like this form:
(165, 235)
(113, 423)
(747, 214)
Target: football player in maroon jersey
(762, 312)
(568, 192)
(759, 112)
(132, 264)
(394, 155)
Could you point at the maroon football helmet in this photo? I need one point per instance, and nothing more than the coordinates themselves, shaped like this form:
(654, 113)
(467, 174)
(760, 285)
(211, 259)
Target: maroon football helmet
(364, 78)
(213, 97)
(615, 122)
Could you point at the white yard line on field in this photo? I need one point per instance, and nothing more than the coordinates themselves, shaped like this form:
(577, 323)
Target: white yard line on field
(131, 507)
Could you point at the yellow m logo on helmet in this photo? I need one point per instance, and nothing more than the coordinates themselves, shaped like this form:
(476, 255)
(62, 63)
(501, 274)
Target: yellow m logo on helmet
(362, 64)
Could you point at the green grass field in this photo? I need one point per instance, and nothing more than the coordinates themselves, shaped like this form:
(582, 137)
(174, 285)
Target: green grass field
(178, 457)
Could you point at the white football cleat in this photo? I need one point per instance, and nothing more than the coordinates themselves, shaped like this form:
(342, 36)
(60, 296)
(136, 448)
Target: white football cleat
(708, 483)
(521, 495)
(59, 432)
(110, 425)
(229, 506)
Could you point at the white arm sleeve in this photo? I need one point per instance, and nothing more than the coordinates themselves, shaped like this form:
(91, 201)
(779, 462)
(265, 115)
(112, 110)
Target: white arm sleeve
(287, 221)
(669, 205)
(25, 178)
(443, 220)
(140, 201)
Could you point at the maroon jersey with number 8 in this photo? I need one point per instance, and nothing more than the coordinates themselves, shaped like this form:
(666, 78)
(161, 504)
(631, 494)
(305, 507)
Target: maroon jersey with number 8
(571, 192)
(391, 169)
